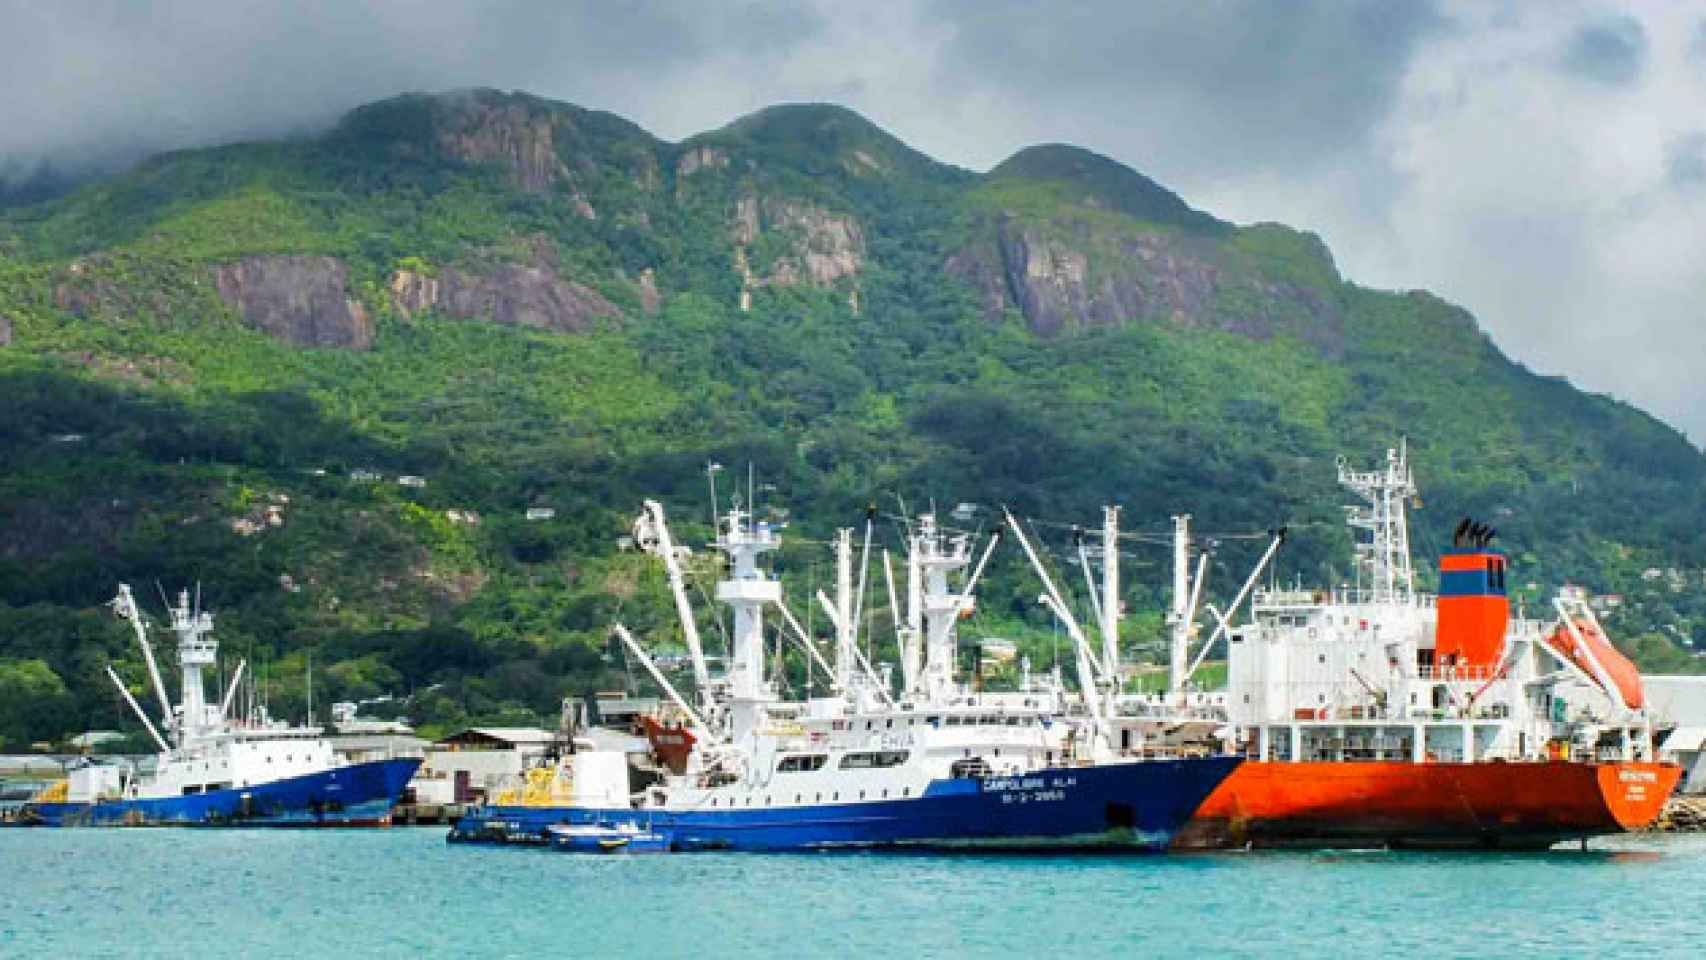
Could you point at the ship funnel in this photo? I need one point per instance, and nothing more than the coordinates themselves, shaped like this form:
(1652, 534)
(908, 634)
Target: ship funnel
(1473, 606)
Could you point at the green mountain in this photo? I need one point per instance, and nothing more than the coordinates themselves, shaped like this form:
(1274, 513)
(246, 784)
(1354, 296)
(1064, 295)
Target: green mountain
(527, 304)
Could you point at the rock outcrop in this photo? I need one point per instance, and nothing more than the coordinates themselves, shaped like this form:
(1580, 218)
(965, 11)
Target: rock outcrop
(651, 299)
(515, 294)
(545, 146)
(1682, 814)
(1064, 276)
(298, 299)
(511, 135)
(701, 158)
(822, 247)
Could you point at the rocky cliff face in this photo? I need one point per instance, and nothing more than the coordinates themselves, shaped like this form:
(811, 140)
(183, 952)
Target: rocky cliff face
(1064, 276)
(543, 146)
(515, 294)
(508, 134)
(701, 158)
(299, 299)
(821, 247)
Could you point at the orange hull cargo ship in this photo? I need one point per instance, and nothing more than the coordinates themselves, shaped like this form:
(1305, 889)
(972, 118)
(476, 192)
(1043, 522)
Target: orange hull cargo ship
(1377, 715)
(1507, 805)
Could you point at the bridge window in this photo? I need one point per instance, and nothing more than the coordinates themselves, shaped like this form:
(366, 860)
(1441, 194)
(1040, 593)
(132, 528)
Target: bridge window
(801, 763)
(869, 759)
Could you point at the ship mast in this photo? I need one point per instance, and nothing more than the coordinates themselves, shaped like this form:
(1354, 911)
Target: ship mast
(196, 652)
(1181, 615)
(935, 556)
(747, 590)
(1385, 557)
(1111, 590)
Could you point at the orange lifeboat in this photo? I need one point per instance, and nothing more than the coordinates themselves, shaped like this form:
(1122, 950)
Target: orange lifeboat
(1594, 647)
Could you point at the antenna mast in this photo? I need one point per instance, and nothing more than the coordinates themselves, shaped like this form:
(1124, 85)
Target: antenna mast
(1386, 553)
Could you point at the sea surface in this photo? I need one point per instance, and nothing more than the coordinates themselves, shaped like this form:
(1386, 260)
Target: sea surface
(404, 892)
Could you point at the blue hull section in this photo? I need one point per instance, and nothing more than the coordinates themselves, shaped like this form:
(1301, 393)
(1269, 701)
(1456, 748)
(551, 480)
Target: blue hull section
(1134, 805)
(361, 794)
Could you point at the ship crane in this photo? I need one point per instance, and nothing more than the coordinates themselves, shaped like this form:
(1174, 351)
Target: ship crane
(1088, 675)
(1225, 620)
(125, 606)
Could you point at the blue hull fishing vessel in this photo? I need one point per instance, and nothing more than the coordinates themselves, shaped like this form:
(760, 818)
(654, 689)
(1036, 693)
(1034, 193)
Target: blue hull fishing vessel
(220, 762)
(1137, 805)
(360, 794)
(940, 764)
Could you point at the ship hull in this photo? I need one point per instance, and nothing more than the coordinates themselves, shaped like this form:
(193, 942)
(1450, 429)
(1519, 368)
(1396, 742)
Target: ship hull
(1117, 806)
(361, 794)
(1427, 805)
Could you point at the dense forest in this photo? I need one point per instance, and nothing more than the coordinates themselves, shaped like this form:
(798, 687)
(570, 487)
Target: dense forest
(216, 368)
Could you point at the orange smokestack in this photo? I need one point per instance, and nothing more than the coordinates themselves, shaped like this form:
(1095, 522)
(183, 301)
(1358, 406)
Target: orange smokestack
(1473, 606)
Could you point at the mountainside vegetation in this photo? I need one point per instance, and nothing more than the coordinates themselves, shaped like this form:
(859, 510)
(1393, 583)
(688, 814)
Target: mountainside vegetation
(217, 367)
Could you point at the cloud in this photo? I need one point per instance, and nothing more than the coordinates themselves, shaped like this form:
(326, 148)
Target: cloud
(1610, 51)
(1540, 163)
(94, 86)
(1685, 160)
(1292, 85)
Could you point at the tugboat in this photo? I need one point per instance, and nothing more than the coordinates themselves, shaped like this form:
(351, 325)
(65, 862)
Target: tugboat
(938, 765)
(217, 770)
(1376, 715)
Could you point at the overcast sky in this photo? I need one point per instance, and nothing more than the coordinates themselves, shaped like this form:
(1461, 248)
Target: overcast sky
(1543, 164)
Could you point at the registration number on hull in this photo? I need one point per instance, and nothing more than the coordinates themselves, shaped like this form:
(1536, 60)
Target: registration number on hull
(1029, 789)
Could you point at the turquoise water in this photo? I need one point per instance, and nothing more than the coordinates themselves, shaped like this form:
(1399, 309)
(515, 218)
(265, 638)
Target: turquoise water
(404, 892)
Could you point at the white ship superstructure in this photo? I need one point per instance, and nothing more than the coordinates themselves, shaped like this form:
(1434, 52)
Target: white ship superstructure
(1377, 669)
